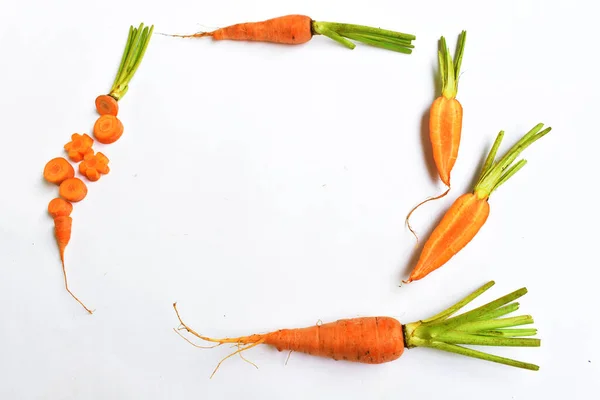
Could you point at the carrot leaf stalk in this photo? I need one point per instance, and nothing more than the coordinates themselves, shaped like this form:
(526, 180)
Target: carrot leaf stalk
(450, 70)
(382, 38)
(494, 174)
(135, 48)
(480, 326)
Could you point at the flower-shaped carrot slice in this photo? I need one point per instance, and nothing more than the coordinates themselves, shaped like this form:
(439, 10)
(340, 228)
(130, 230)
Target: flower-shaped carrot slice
(93, 165)
(79, 146)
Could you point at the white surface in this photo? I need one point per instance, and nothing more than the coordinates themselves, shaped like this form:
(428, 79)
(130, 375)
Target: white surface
(264, 186)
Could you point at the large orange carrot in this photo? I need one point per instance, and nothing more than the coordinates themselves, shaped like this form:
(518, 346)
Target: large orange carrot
(299, 29)
(60, 211)
(376, 340)
(445, 118)
(469, 212)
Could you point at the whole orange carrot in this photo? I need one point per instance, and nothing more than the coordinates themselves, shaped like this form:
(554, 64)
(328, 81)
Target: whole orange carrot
(469, 212)
(376, 340)
(299, 29)
(445, 118)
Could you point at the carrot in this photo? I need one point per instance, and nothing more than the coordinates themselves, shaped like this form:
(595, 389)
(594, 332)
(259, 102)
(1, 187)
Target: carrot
(376, 340)
(445, 118)
(60, 210)
(79, 146)
(58, 170)
(107, 105)
(73, 190)
(299, 29)
(108, 129)
(469, 212)
(93, 165)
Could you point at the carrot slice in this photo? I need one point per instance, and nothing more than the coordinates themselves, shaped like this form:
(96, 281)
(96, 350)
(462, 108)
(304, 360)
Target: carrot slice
(107, 105)
(79, 146)
(57, 170)
(59, 208)
(108, 129)
(73, 189)
(93, 165)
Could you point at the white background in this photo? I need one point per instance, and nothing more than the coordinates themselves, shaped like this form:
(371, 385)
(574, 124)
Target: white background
(264, 186)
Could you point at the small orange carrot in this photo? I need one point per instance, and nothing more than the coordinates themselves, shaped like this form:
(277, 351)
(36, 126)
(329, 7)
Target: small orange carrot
(376, 340)
(445, 118)
(93, 165)
(107, 105)
(79, 146)
(60, 210)
(58, 170)
(469, 212)
(73, 190)
(299, 29)
(108, 129)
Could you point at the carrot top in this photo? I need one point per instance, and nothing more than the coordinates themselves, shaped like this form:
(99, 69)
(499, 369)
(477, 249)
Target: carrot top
(135, 48)
(386, 39)
(495, 173)
(480, 326)
(450, 70)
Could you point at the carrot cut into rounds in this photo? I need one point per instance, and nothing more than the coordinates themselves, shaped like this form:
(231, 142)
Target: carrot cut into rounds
(108, 129)
(107, 105)
(79, 146)
(299, 29)
(58, 170)
(60, 210)
(73, 190)
(93, 165)
(445, 118)
(469, 212)
(376, 340)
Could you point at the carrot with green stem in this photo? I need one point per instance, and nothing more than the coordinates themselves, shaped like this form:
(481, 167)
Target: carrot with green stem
(376, 340)
(445, 118)
(108, 128)
(60, 211)
(299, 29)
(469, 212)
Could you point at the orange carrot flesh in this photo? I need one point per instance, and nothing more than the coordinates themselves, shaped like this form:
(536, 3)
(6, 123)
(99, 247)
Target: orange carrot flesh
(79, 146)
(376, 340)
(457, 228)
(59, 208)
(108, 129)
(469, 212)
(73, 190)
(107, 105)
(58, 170)
(93, 165)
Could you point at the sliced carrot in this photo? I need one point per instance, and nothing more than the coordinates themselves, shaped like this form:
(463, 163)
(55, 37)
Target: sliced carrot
(57, 170)
(108, 129)
(79, 146)
(93, 165)
(59, 207)
(107, 105)
(73, 190)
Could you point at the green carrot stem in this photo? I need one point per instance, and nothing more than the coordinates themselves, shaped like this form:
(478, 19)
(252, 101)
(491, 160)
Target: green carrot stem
(499, 312)
(470, 339)
(452, 348)
(496, 323)
(509, 332)
(123, 57)
(454, 308)
(449, 69)
(489, 161)
(382, 38)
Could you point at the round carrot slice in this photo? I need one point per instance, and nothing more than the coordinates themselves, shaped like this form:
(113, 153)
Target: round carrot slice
(59, 208)
(73, 189)
(107, 105)
(57, 170)
(108, 129)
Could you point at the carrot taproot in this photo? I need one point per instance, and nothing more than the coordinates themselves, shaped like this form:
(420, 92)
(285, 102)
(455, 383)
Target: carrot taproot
(60, 210)
(79, 146)
(299, 29)
(469, 212)
(376, 340)
(58, 170)
(107, 105)
(93, 165)
(445, 118)
(73, 190)
(108, 129)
